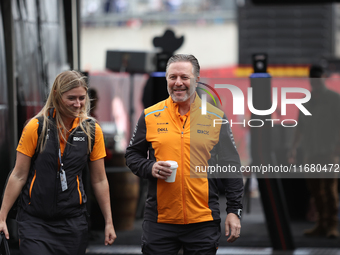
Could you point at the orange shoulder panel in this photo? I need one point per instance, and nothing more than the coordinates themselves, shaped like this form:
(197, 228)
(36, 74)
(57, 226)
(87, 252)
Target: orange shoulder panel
(29, 138)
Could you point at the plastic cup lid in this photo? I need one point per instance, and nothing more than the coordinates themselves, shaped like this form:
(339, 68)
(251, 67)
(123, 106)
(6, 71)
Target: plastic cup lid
(172, 163)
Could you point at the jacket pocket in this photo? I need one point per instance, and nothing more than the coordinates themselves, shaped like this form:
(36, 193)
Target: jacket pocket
(78, 188)
(31, 186)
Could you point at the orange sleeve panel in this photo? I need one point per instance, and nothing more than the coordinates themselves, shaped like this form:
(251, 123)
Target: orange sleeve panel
(98, 151)
(29, 138)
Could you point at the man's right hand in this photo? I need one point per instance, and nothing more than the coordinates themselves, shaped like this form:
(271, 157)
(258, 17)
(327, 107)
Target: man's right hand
(161, 170)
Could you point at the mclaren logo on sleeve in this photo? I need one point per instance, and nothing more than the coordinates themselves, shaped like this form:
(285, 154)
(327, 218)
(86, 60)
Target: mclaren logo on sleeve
(204, 125)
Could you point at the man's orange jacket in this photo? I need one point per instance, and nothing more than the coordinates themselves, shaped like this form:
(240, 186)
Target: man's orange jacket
(195, 143)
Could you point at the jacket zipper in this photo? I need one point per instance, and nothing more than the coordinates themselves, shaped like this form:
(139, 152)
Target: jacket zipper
(183, 176)
(58, 175)
(56, 185)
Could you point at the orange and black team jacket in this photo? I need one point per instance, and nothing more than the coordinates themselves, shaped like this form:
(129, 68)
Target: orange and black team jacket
(42, 195)
(192, 140)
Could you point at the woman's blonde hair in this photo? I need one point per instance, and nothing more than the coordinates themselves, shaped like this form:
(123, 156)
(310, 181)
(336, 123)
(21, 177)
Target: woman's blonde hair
(64, 82)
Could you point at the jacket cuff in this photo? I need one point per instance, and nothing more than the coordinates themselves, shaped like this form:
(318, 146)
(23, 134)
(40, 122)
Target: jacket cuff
(149, 171)
(238, 212)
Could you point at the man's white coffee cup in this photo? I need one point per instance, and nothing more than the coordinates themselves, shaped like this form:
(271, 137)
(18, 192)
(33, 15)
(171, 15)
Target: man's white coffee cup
(173, 167)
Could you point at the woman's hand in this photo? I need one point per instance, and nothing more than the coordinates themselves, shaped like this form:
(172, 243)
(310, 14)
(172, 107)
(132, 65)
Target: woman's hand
(110, 234)
(3, 228)
(16, 181)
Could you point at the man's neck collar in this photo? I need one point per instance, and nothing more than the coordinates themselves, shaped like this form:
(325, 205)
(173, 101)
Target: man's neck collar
(184, 107)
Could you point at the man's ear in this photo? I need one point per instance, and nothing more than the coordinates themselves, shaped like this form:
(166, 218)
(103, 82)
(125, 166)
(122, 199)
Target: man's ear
(197, 80)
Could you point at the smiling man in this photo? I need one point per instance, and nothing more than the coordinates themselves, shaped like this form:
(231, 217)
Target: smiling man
(179, 76)
(184, 213)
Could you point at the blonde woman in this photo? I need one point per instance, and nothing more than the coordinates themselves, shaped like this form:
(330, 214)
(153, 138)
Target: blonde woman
(55, 148)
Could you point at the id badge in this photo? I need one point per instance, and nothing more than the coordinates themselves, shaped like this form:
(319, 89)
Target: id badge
(63, 180)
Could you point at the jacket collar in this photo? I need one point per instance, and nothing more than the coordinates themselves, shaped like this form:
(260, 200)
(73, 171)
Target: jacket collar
(75, 123)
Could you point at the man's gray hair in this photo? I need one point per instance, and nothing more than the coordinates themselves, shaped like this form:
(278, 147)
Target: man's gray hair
(185, 58)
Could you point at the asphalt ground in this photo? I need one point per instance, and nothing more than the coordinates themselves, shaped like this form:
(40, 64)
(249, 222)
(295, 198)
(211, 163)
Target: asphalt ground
(254, 237)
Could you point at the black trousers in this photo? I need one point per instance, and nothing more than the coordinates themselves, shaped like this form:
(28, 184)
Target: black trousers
(62, 237)
(168, 239)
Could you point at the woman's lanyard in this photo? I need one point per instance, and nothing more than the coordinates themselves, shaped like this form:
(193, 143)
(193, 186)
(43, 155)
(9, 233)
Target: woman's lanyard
(62, 173)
